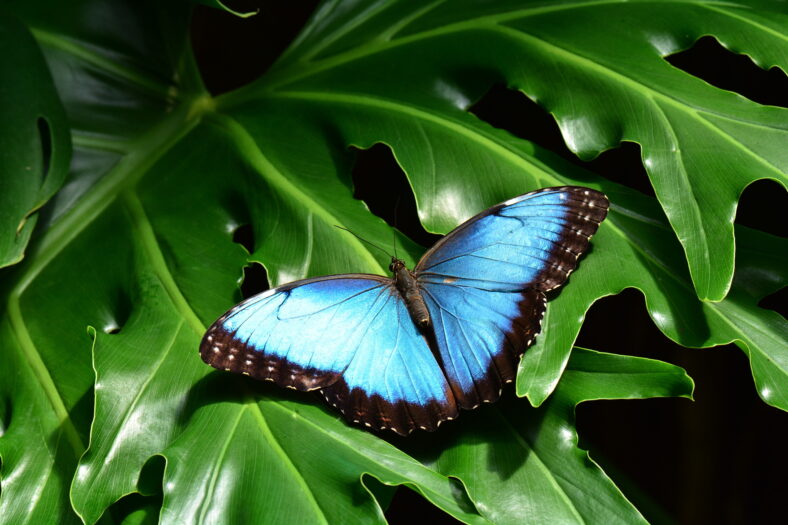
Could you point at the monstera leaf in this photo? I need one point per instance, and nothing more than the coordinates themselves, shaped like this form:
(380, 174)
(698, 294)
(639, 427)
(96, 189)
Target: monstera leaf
(103, 392)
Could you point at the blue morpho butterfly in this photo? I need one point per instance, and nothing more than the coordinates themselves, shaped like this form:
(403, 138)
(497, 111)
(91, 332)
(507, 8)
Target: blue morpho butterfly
(406, 352)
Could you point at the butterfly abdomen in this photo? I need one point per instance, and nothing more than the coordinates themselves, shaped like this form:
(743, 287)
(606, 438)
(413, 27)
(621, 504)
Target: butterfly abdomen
(408, 287)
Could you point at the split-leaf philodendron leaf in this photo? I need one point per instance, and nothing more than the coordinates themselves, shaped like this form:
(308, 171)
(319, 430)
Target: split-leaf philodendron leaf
(134, 256)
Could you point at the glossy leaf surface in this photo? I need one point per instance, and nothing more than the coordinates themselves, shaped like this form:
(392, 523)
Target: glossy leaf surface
(136, 254)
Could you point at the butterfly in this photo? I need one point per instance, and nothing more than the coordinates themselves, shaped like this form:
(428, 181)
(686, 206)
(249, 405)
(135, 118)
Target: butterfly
(409, 351)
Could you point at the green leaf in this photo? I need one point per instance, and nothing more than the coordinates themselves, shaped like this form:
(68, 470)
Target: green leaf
(604, 83)
(136, 258)
(523, 464)
(34, 141)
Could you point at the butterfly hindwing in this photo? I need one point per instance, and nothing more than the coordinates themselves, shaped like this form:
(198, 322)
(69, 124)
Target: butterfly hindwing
(349, 335)
(484, 283)
(480, 334)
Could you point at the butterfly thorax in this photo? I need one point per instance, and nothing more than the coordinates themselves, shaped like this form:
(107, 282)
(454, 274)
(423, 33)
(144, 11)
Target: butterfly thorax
(408, 288)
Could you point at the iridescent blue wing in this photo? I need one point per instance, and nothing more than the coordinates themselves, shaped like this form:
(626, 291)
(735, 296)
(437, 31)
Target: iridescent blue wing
(349, 335)
(484, 283)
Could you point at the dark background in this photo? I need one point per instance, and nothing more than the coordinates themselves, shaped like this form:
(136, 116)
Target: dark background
(719, 459)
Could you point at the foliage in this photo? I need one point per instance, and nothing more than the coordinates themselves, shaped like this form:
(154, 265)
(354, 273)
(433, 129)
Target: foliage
(133, 256)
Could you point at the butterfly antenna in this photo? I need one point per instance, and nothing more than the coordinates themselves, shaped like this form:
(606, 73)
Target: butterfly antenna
(393, 232)
(394, 241)
(363, 239)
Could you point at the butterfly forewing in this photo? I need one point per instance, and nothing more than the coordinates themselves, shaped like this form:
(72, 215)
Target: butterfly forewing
(530, 241)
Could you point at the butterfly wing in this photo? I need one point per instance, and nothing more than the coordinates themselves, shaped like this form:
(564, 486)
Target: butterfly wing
(349, 335)
(484, 283)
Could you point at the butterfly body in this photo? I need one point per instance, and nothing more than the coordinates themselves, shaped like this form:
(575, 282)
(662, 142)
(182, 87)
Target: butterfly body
(407, 352)
(408, 287)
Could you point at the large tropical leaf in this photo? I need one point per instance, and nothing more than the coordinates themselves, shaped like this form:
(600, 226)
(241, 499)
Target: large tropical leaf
(599, 69)
(102, 319)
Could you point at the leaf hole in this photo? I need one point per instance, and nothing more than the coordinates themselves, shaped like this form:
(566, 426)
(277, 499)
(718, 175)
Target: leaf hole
(777, 301)
(379, 182)
(709, 60)
(244, 235)
(217, 35)
(406, 503)
(151, 476)
(143, 506)
(135, 508)
(6, 409)
(613, 323)
(45, 136)
(255, 281)
(511, 110)
(116, 314)
(762, 206)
